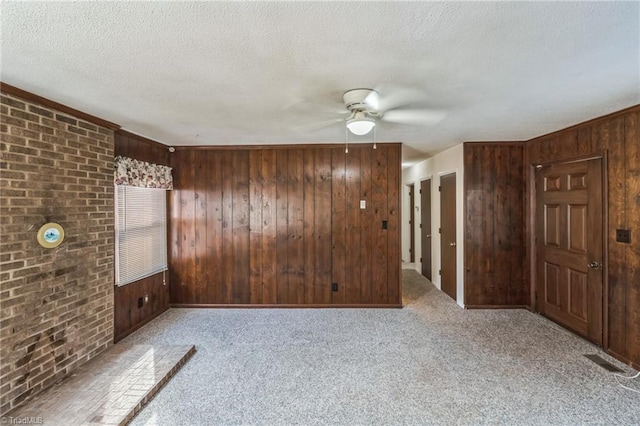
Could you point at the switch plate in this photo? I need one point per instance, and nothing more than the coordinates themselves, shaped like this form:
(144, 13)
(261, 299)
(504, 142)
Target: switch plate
(623, 236)
(363, 204)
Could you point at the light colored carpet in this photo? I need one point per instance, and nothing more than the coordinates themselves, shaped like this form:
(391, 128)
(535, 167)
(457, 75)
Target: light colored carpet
(429, 363)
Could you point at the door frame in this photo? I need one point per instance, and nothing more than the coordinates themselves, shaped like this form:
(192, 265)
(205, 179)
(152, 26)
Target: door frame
(533, 266)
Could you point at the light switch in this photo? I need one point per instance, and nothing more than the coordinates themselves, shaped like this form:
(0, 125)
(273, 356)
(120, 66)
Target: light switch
(363, 204)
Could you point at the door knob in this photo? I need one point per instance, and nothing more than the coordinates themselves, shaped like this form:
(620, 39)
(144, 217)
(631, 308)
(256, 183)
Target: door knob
(428, 235)
(594, 265)
(453, 244)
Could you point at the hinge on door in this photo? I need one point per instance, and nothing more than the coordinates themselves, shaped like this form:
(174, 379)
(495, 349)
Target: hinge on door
(440, 230)
(440, 188)
(420, 260)
(421, 191)
(420, 226)
(439, 271)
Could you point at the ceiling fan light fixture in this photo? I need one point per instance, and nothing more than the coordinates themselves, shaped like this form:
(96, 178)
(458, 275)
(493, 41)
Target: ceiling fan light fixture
(360, 124)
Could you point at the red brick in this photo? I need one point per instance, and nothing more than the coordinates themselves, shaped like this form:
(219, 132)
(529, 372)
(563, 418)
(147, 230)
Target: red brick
(50, 291)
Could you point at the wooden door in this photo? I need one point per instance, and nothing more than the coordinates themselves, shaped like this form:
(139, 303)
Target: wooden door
(425, 225)
(448, 247)
(569, 223)
(412, 226)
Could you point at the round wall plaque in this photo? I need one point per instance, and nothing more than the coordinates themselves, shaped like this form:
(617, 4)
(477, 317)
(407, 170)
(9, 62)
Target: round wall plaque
(50, 235)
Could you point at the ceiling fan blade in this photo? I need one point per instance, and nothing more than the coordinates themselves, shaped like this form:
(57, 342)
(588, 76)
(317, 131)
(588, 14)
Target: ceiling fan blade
(385, 98)
(419, 117)
(310, 127)
(305, 105)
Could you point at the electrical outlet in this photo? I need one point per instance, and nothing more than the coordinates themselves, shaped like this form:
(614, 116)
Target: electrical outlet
(334, 287)
(146, 298)
(623, 236)
(363, 204)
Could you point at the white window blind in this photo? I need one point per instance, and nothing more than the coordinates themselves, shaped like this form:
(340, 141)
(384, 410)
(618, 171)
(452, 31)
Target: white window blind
(141, 233)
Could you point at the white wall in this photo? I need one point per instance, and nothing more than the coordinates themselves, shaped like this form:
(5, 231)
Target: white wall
(446, 162)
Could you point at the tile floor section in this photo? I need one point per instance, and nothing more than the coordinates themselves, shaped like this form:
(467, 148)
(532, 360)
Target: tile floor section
(108, 390)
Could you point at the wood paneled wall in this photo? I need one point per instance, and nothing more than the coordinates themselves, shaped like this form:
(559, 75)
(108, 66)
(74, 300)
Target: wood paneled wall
(128, 317)
(138, 147)
(278, 226)
(618, 137)
(494, 251)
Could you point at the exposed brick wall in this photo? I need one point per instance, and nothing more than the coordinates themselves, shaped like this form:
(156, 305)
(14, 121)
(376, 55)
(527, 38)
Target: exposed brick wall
(56, 304)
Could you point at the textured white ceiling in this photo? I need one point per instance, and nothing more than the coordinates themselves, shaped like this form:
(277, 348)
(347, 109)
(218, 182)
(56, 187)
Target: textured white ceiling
(229, 73)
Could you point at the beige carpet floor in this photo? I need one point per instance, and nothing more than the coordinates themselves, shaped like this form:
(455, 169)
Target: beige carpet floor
(428, 363)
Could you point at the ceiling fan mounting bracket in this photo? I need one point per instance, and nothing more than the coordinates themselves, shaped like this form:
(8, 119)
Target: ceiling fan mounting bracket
(355, 100)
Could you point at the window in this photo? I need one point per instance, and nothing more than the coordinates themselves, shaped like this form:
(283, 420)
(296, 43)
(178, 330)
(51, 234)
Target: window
(141, 233)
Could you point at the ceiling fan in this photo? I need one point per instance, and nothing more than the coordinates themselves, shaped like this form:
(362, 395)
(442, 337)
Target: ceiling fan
(392, 104)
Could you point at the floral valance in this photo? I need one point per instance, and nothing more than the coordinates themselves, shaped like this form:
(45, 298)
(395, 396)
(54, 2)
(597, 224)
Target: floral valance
(141, 174)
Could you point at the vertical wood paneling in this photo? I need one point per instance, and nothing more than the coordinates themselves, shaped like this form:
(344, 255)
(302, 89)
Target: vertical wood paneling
(187, 240)
(616, 137)
(127, 316)
(366, 223)
(609, 135)
(175, 231)
(269, 230)
(568, 144)
(295, 226)
(309, 240)
(393, 233)
(494, 225)
(133, 146)
(352, 234)
(338, 224)
(240, 282)
(226, 259)
(380, 240)
(214, 227)
(632, 255)
(474, 243)
(282, 238)
(518, 280)
(200, 228)
(487, 223)
(255, 224)
(322, 225)
(280, 225)
(501, 236)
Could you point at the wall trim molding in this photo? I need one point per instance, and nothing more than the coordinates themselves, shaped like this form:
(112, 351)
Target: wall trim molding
(280, 146)
(496, 307)
(31, 97)
(286, 306)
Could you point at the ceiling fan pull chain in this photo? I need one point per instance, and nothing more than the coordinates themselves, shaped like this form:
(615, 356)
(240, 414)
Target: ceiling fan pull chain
(346, 141)
(374, 138)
